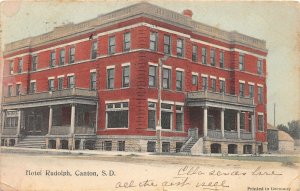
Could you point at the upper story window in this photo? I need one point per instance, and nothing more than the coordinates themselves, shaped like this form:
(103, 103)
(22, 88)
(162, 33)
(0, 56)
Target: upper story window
(179, 80)
(34, 63)
(52, 59)
(151, 115)
(204, 83)
(20, 65)
(241, 62)
(32, 87)
(180, 47)
(194, 80)
(71, 82)
(62, 55)
(11, 67)
(127, 42)
(18, 89)
(251, 91)
(222, 86)
(222, 59)
(213, 57)
(242, 90)
(60, 85)
(117, 115)
(260, 95)
(166, 116)
(166, 78)
(179, 118)
(93, 81)
(259, 66)
(261, 122)
(112, 45)
(9, 90)
(72, 55)
(94, 50)
(204, 54)
(125, 76)
(152, 76)
(110, 78)
(167, 44)
(195, 53)
(51, 85)
(213, 85)
(153, 41)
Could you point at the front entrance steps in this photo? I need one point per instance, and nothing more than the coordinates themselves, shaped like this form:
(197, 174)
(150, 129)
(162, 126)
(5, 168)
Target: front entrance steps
(32, 142)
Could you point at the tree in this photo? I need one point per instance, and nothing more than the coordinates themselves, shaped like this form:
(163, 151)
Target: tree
(283, 128)
(294, 128)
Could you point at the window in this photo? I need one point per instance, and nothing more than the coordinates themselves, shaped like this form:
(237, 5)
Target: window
(179, 118)
(121, 146)
(94, 50)
(110, 78)
(212, 57)
(241, 62)
(260, 95)
(260, 122)
(52, 59)
(60, 85)
(242, 120)
(166, 116)
(222, 86)
(20, 65)
(259, 66)
(180, 48)
(71, 82)
(194, 80)
(242, 90)
(221, 59)
(179, 79)
(153, 41)
(93, 81)
(62, 55)
(166, 78)
(125, 76)
(151, 146)
(117, 115)
(152, 76)
(165, 147)
(213, 85)
(18, 89)
(11, 67)
(34, 63)
(204, 83)
(195, 53)
(32, 88)
(151, 115)
(72, 55)
(9, 90)
(204, 55)
(51, 84)
(251, 91)
(112, 45)
(107, 145)
(11, 122)
(127, 39)
(167, 44)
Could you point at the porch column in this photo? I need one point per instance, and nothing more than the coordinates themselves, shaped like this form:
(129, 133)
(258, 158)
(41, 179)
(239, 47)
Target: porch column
(205, 121)
(50, 119)
(222, 122)
(238, 124)
(3, 121)
(72, 128)
(19, 122)
(253, 125)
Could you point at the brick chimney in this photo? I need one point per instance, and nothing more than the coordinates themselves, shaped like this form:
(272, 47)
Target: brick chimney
(188, 13)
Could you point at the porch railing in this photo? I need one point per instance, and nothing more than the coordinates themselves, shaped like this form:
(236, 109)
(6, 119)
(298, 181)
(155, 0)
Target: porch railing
(51, 95)
(9, 131)
(85, 130)
(220, 97)
(60, 130)
(217, 134)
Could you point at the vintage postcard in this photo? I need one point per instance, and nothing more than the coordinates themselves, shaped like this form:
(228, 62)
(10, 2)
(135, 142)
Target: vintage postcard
(149, 95)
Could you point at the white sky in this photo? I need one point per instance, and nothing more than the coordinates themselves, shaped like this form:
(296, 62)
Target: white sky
(276, 22)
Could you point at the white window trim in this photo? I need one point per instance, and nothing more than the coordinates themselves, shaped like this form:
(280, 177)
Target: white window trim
(166, 66)
(126, 64)
(152, 100)
(152, 64)
(213, 77)
(251, 83)
(179, 103)
(32, 81)
(260, 113)
(242, 81)
(204, 75)
(180, 69)
(92, 70)
(117, 101)
(222, 79)
(71, 74)
(61, 76)
(260, 85)
(167, 102)
(19, 83)
(195, 73)
(110, 67)
(51, 78)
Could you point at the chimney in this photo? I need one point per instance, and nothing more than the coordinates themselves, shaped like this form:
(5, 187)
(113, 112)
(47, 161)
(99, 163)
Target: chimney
(188, 13)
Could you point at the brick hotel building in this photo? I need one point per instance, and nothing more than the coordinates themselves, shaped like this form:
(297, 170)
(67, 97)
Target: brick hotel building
(142, 78)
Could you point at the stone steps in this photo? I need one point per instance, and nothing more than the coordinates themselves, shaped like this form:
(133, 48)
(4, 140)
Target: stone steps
(32, 142)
